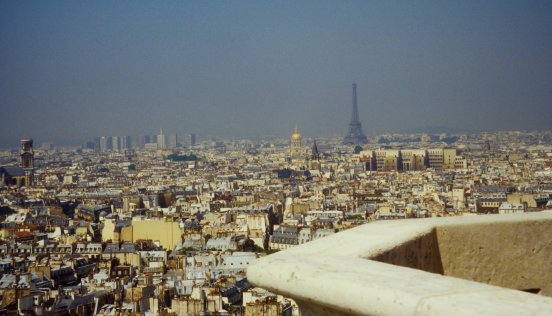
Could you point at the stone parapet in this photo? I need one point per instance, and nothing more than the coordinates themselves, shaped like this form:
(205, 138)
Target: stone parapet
(470, 265)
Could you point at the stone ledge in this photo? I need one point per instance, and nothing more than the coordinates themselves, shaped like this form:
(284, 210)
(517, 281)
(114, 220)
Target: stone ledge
(334, 276)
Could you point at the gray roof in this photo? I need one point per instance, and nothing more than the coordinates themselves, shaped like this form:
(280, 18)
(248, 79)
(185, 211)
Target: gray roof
(112, 247)
(12, 171)
(128, 247)
(122, 223)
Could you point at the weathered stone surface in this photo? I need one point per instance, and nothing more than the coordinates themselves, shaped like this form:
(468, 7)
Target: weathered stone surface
(335, 276)
(515, 255)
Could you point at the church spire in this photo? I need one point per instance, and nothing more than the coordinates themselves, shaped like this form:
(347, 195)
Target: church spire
(315, 155)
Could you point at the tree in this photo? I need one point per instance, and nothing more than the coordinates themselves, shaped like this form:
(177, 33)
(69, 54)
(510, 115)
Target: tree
(358, 149)
(284, 173)
(190, 157)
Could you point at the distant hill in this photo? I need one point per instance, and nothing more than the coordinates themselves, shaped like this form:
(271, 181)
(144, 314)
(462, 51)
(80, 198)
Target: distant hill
(438, 130)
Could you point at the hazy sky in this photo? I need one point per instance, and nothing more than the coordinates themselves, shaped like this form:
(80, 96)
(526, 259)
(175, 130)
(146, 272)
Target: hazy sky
(72, 70)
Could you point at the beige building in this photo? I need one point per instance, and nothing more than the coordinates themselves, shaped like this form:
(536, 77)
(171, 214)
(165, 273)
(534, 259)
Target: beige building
(413, 159)
(263, 308)
(449, 158)
(108, 231)
(387, 160)
(255, 225)
(166, 232)
(528, 200)
(435, 158)
(202, 301)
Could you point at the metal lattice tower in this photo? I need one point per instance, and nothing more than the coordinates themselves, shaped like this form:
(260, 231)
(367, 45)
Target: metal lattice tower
(355, 134)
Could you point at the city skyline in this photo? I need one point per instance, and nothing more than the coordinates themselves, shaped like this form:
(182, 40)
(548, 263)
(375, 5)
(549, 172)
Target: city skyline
(233, 157)
(73, 71)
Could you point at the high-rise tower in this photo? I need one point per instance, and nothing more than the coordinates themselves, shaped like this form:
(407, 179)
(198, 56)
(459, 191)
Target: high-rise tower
(355, 135)
(161, 140)
(26, 153)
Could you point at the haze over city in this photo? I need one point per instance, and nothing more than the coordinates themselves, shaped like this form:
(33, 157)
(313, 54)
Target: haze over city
(263, 158)
(70, 71)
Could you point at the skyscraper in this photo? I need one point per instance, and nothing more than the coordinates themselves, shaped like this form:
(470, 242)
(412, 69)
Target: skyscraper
(355, 135)
(115, 143)
(161, 140)
(172, 140)
(104, 146)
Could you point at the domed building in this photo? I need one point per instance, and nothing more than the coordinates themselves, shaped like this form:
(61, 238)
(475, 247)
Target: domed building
(295, 143)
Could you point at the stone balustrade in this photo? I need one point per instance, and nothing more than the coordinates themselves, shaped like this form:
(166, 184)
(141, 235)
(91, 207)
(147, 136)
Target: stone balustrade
(470, 265)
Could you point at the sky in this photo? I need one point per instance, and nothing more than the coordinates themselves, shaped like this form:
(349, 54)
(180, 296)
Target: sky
(73, 70)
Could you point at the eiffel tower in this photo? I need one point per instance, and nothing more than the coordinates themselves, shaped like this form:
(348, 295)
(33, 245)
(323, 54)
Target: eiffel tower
(355, 135)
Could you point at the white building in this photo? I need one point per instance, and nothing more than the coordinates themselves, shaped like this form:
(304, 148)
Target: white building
(510, 208)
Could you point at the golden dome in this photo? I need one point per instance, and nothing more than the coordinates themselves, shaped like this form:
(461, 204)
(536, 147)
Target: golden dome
(295, 134)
